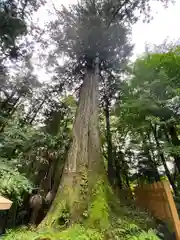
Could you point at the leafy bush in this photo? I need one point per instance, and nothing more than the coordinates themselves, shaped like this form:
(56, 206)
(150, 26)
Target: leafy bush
(127, 231)
(20, 234)
(150, 235)
(13, 184)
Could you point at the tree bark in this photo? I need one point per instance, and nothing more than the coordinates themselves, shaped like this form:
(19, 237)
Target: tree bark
(127, 179)
(59, 169)
(118, 170)
(111, 169)
(163, 160)
(84, 163)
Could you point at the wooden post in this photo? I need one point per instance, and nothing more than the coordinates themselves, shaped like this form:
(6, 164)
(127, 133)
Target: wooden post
(172, 207)
(161, 203)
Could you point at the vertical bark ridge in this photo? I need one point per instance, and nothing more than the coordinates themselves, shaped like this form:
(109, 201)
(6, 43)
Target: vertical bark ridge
(84, 162)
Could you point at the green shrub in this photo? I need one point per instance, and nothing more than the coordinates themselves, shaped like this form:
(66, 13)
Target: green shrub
(13, 184)
(20, 234)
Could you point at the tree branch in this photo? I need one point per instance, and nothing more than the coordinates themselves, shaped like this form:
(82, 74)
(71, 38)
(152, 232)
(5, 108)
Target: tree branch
(116, 12)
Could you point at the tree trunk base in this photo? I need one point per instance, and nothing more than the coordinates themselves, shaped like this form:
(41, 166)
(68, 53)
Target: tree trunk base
(73, 204)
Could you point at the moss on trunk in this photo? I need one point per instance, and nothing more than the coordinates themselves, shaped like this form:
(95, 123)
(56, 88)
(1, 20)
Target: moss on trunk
(84, 164)
(98, 210)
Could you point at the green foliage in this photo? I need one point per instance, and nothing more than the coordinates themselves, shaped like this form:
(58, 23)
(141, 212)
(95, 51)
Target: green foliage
(16, 138)
(147, 111)
(98, 211)
(84, 186)
(13, 184)
(33, 149)
(75, 232)
(13, 15)
(18, 234)
(126, 231)
(150, 235)
(133, 232)
(78, 232)
(131, 223)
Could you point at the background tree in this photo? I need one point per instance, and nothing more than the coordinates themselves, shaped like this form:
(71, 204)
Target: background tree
(148, 103)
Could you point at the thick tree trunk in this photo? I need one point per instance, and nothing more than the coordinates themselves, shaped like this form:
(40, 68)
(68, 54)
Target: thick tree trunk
(84, 163)
(118, 169)
(111, 170)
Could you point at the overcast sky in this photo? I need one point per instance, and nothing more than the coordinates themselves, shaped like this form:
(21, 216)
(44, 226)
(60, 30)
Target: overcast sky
(163, 26)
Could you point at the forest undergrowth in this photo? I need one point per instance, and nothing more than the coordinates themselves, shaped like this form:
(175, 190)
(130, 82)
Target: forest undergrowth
(109, 218)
